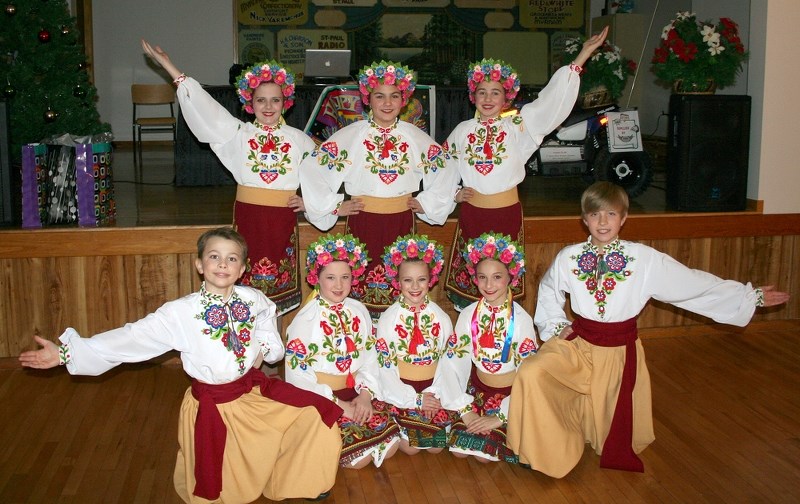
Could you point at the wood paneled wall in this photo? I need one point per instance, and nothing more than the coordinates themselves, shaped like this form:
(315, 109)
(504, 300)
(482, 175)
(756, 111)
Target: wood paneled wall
(98, 279)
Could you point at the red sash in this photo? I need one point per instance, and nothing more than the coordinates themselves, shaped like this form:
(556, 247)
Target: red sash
(617, 450)
(210, 432)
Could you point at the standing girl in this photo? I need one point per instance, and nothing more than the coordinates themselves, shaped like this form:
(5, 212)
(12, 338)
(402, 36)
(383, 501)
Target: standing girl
(264, 158)
(330, 351)
(499, 334)
(490, 152)
(381, 162)
(415, 347)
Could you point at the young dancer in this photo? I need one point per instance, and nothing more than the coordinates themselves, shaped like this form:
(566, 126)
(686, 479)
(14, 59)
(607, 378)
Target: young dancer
(499, 335)
(330, 351)
(412, 345)
(264, 158)
(241, 434)
(490, 152)
(381, 162)
(589, 380)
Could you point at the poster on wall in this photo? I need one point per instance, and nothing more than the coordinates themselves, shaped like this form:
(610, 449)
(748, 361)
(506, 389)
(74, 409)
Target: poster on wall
(554, 14)
(416, 3)
(271, 12)
(485, 4)
(292, 45)
(345, 3)
(531, 63)
(557, 45)
(255, 45)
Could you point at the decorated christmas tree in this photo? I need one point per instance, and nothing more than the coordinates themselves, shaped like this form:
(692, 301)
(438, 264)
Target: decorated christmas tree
(44, 73)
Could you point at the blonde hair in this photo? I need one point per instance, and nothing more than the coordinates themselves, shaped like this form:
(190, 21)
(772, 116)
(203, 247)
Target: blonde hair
(227, 233)
(602, 196)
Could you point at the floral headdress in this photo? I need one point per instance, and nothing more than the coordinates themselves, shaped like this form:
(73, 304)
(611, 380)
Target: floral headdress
(338, 247)
(413, 246)
(389, 73)
(493, 70)
(266, 71)
(498, 247)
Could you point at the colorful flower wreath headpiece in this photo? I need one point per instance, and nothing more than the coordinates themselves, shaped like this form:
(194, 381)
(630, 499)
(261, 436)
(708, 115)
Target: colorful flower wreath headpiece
(389, 73)
(266, 71)
(338, 247)
(413, 246)
(499, 247)
(493, 70)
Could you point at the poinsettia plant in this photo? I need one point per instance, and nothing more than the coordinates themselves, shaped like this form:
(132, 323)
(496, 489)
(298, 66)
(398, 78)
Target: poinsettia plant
(699, 53)
(606, 67)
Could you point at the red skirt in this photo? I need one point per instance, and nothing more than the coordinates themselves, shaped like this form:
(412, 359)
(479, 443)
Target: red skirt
(473, 222)
(378, 231)
(272, 239)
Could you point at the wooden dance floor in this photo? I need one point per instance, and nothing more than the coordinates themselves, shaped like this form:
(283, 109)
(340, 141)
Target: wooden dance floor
(727, 425)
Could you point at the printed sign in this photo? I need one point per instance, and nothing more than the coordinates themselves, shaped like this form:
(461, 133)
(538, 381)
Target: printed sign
(344, 3)
(623, 131)
(271, 12)
(552, 13)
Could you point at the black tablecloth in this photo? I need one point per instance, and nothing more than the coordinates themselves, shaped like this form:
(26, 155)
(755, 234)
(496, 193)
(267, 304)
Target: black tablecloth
(197, 165)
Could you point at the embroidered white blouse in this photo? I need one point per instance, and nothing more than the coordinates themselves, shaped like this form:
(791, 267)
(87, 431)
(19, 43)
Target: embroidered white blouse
(334, 339)
(518, 344)
(618, 285)
(490, 156)
(219, 340)
(256, 155)
(439, 348)
(379, 162)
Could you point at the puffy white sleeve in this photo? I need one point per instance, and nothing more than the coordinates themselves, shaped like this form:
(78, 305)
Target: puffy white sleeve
(439, 181)
(138, 341)
(457, 365)
(550, 317)
(321, 175)
(553, 104)
(266, 330)
(299, 368)
(724, 301)
(209, 121)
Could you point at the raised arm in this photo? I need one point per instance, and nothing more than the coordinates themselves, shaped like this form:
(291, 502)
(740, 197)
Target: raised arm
(590, 46)
(162, 58)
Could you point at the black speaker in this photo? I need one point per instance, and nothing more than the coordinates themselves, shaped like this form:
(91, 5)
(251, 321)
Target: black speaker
(708, 145)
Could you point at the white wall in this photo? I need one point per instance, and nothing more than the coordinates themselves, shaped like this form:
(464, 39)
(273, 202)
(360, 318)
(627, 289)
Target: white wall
(198, 35)
(778, 106)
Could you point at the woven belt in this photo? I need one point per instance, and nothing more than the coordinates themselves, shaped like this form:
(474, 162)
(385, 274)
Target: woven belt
(497, 380)
(499, 200)
(415, 372)
(263, 197)
(393, 205)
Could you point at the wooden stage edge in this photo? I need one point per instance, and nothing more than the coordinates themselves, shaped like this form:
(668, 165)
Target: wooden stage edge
(111, 241)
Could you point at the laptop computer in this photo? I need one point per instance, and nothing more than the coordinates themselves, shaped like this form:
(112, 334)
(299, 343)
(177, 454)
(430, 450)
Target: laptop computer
(327, 63)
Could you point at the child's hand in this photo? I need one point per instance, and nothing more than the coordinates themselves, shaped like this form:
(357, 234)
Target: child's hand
(483, 424)
(565, 333)
(430, 405)
(296, 204)
(414, 205)
(362, 407)
(590, 46)
(350, 207)
(162, 58)
(465, 194)
(773, 297)
(44, 358)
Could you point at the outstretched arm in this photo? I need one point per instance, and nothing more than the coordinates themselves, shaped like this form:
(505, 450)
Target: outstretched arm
(43, 358)
(162, 58)
(590, 46)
